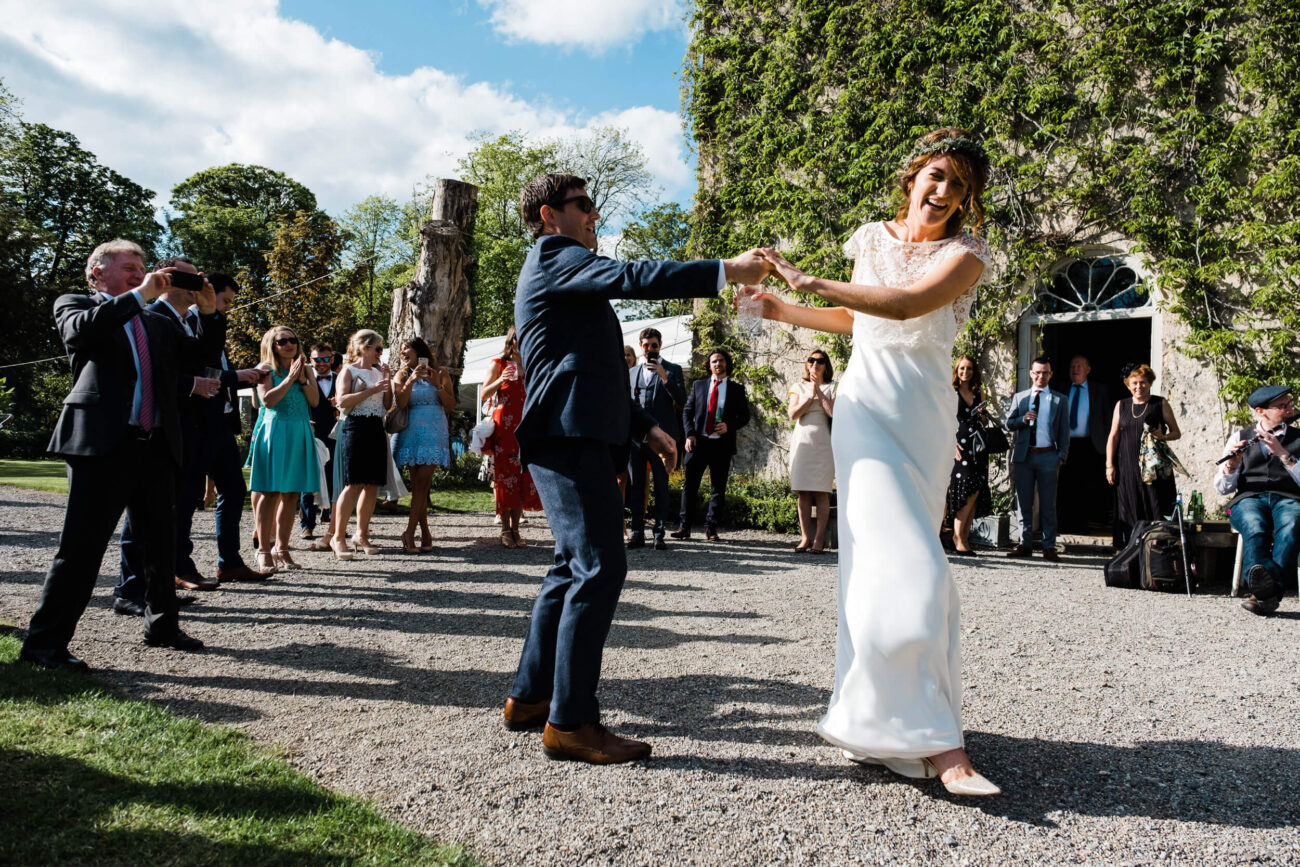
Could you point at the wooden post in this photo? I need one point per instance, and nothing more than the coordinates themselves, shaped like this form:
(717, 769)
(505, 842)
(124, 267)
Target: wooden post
(435, 305)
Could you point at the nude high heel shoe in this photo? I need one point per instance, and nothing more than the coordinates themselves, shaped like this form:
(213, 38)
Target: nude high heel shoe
(266, 561)
(975, 786)
(340, 550)
(285, 559)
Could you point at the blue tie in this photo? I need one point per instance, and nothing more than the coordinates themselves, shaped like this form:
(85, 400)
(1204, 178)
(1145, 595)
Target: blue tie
(1074, 406)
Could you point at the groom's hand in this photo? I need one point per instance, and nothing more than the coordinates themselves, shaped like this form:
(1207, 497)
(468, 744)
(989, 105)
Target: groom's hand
(664, 446)
(749, 267)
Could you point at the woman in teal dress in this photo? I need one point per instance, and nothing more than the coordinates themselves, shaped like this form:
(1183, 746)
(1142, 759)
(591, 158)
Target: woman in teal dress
(283, 450)
(424, 390)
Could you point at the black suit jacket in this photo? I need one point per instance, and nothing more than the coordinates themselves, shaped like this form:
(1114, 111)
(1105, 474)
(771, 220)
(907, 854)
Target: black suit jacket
(323, 414)
(735, 411)
(97, 410)
(662, 400)
(575, 374)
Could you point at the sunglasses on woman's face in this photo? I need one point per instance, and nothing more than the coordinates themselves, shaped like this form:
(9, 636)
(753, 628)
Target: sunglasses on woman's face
(816, 361)
(286, 341)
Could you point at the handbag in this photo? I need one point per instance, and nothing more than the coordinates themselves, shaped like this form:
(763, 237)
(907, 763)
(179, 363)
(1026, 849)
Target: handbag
(357, 385)
(480, 435)
(995, 439)
(1156, 460)
(397, 419)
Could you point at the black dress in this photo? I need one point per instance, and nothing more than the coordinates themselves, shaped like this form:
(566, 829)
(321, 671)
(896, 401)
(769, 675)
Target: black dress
(1134, 499)
(970, 472)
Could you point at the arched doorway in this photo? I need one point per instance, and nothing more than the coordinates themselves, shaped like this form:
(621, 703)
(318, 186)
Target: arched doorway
(1097, 305)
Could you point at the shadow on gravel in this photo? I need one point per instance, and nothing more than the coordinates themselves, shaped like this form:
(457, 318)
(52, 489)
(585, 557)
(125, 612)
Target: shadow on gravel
(1180, 780)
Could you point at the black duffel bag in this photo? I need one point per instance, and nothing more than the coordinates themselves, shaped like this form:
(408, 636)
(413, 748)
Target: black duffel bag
(1152, 559)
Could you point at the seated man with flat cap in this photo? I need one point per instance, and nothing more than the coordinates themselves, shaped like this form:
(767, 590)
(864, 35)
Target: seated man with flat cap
(1263, 470)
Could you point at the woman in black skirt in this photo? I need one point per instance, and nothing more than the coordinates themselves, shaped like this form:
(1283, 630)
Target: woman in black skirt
(968, 486)
(364, 397)
(1135, 500)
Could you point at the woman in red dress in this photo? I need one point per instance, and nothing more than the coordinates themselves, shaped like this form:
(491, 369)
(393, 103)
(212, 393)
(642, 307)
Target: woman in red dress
(513, 484)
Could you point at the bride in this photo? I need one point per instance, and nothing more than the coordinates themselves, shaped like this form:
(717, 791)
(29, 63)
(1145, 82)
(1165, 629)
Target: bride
(897, 697)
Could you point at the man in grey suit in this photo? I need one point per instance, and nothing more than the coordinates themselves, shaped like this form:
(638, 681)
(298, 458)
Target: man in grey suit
(1041, 421)
(577, 411)
(660, 389)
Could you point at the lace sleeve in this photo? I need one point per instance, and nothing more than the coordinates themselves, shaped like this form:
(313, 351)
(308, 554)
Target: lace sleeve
(859, 242)
(977, 246)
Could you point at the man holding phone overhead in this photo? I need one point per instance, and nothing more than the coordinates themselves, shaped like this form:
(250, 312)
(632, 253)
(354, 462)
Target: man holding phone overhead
(121, 435)
(660, 389)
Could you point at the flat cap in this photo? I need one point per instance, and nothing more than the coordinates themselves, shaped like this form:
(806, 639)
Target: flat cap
(1266, 394)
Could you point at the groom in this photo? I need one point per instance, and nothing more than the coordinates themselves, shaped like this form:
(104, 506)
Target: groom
(577, 408)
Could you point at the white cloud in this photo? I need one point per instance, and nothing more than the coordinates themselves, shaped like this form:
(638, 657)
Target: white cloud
(594, 25)
(159, 90)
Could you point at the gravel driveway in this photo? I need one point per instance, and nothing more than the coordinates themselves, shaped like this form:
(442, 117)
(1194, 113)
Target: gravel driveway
(1123, 726)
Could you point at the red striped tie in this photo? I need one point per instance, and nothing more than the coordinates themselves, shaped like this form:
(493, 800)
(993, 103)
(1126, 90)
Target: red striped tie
(146, 374)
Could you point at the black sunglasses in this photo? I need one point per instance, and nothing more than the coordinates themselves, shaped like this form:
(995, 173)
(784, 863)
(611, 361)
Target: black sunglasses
(812, 359)
(320, 360)
(585, 204)
(286, 341)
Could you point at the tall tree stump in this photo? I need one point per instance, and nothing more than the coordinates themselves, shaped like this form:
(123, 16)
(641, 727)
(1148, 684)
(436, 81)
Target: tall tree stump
(436, 305)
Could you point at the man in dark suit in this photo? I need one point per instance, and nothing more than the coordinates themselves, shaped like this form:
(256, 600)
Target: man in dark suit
(209, 450)
(1042, 425)
(1083, 493)
(577, 409)
(716, 409)
(323, 416)
(120, 434)
(660, 389)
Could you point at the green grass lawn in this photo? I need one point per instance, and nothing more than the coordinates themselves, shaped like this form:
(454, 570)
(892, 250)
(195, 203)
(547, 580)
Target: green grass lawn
(91, 778)
(50, 475)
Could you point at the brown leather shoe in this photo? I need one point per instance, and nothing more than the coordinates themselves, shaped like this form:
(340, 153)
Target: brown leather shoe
(242, 572)
(522, 715)
(1020, 551)
(195, 581)
(592, 742)
(1050, 555)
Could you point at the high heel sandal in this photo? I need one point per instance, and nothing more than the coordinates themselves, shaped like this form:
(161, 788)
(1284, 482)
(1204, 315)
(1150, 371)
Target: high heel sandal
(426, 545)
(285, 559)
(519, 540)
(408, 544)
(363, 545)
(266, 561)
(319, 544)
(340, 550)
(507, 541)
(977, 785)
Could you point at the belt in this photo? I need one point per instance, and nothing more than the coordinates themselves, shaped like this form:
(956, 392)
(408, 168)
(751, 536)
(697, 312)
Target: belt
(1043, 449)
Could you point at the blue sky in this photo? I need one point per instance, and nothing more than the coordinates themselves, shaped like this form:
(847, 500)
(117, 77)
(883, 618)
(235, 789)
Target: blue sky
(351, 99)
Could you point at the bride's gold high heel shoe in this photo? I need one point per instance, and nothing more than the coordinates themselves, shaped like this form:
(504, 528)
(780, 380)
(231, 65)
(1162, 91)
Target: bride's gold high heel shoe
(975, 786)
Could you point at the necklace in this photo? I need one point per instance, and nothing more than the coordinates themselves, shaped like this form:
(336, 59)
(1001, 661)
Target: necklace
(1146, 406)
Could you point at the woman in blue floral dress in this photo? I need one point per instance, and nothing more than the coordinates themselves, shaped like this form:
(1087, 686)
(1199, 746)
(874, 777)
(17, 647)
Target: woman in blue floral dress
(425, 391)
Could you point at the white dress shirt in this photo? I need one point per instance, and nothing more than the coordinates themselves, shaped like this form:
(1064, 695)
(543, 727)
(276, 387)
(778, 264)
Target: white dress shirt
(1225, 482)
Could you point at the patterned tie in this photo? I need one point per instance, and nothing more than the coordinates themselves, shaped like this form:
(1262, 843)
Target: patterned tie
(711, 418)
(146, 373)
(1074, 407)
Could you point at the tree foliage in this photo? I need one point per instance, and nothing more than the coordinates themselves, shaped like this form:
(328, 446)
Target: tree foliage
(376, 255)
(660, 232)
(225, 218)
(57, 203)
(500, 167)
(1169, 124)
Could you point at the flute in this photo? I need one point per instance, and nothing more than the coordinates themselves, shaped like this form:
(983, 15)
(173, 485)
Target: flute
(1241, 445)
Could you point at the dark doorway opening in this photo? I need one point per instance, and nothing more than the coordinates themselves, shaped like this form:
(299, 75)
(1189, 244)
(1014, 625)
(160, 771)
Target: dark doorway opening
(1110, 345)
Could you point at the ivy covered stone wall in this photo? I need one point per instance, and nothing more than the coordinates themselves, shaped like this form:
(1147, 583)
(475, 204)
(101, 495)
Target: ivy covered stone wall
(1172, 125)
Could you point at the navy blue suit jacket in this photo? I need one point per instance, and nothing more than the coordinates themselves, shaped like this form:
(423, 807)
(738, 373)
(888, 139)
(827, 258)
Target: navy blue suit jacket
(575, 374)
(663, 400)
(735, 411)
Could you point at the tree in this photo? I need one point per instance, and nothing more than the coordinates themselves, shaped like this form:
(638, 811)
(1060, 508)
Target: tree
(375, 254)
(302, 289)
(226, 218)
(661, 232)
(57, 203)
(614, 166)
(500, 167)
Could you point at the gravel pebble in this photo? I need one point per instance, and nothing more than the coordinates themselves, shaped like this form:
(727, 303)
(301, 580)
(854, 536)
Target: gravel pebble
(1124, 727)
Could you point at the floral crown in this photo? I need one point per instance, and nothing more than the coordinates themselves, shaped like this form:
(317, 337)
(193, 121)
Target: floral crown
(952, 144)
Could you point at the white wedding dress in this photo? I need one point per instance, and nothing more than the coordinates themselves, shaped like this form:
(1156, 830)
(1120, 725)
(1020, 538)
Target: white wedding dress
(897, 696)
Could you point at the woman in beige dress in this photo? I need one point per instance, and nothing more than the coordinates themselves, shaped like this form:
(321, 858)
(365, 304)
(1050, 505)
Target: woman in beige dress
(812, 464)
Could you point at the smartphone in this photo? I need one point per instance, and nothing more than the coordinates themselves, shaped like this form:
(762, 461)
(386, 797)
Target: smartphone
(187, 281)
(424, 362)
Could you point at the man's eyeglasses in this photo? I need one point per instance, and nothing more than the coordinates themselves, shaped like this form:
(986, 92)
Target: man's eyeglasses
(585, 204)
(286, 341)
(815, 360)
(324, 360)
(1290, 404)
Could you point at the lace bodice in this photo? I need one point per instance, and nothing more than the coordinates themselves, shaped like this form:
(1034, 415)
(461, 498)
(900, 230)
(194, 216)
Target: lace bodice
(880, 259)
(373, 405)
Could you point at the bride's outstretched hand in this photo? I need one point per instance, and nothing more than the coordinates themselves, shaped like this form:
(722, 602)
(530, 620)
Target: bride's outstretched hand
(770, 307)
(787, 272)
